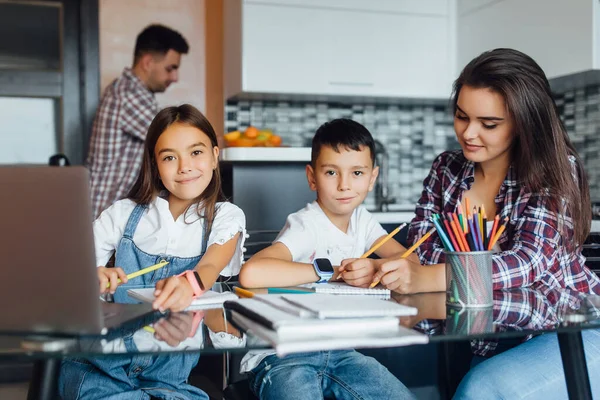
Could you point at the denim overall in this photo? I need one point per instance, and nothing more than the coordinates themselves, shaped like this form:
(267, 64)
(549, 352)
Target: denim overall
(135, 376)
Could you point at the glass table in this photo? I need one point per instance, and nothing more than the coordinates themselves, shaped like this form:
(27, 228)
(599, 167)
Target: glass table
(516, 313)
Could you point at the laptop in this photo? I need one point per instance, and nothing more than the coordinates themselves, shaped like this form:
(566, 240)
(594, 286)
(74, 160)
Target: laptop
(48, 265)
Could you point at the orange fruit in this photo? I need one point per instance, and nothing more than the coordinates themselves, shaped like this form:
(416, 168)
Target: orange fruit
(275, 140)
(251, 132)
(231, 136)
(245, 142)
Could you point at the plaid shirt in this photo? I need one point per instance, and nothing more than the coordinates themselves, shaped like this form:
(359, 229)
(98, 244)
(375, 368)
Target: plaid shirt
(533, 251)
(117, 143)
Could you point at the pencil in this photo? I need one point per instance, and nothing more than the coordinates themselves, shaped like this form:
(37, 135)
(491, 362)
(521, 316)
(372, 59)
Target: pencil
(409, 251)
(499, 233)
(450, 234)
(456, 231)
(150, 329)
(385, 239)
(143, 271)
(484, 231)
(493, 232)
(442, 234)
(461, 233)
(242, 292)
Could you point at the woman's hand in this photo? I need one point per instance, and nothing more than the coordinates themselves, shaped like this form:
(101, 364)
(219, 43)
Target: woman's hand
(358, 271)
(112, 276)
(400, 275)
(174, 293)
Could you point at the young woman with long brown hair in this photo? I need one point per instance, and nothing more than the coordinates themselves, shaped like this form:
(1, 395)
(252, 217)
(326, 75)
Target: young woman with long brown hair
(173, 213)
(517, 160)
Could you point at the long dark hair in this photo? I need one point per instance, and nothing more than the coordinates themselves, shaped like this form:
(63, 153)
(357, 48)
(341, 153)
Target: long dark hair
(541, 147)
(148, 183)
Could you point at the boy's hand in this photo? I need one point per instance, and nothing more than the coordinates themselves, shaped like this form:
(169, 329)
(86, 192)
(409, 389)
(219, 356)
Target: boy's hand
(174, 293)
(112, 276)
(358, 271)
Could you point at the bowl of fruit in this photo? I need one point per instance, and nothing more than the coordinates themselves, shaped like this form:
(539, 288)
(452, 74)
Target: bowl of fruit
(252, 137)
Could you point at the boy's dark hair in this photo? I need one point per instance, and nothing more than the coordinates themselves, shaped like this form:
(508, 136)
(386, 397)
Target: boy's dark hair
(158, 39)
(342, 132)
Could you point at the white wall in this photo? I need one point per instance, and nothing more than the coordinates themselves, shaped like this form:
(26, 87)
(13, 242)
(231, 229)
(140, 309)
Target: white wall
(558, 34)
(122, 20)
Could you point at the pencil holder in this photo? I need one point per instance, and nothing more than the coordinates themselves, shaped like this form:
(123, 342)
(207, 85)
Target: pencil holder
(469, 321)
(469, 279)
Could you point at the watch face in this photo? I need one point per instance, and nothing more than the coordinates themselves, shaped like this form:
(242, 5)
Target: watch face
(324, 265)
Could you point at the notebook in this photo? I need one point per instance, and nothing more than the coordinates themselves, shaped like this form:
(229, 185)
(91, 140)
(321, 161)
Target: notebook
(332, 340)
(292, 326)
(345, 289)
(209, 299)
(327, 306)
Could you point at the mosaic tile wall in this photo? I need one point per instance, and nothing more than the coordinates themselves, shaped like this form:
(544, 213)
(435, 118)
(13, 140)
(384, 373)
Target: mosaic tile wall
(580, 111)
(413, 135)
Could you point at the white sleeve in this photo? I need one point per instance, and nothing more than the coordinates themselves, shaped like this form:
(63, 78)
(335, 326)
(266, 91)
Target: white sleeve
(373, 229)
(109, 228)
(229, 221)
(299, 237)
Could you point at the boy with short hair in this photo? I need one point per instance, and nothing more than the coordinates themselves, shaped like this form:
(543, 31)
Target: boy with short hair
(333, 228)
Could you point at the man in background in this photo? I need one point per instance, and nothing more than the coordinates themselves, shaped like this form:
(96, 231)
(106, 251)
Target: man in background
(126, 110)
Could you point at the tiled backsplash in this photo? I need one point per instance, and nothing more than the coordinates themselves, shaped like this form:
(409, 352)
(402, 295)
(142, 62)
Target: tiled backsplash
(580, 111)
(412, 134)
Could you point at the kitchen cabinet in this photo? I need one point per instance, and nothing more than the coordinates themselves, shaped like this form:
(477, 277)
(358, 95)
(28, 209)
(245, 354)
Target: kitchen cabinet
(560, 35)
(384, 48)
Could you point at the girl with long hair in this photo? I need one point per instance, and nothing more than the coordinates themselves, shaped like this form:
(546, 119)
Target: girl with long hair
(174, 213)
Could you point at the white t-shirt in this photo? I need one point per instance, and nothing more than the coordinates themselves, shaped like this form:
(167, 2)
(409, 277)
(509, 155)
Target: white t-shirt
(310, 234)
(158, 233)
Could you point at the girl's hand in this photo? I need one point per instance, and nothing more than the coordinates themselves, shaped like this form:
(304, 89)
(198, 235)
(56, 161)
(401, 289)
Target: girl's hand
(112, 276)
(174, 293)
(175, 329)
(358, 271)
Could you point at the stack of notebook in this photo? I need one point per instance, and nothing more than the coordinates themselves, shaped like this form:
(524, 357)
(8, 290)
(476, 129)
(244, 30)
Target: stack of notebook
(298, 322)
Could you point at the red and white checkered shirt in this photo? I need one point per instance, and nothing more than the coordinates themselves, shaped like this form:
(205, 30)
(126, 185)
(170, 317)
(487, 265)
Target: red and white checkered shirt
(117, 143)
(533, 251)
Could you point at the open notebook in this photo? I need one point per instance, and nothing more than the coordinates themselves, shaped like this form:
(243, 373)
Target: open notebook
(209, 299)
(345, 289)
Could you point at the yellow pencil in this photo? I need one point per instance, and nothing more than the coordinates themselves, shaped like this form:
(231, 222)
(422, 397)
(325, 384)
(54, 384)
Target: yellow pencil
(385, 239)
(143, 271)
(409, 251)
(150, 329)
(242, 292)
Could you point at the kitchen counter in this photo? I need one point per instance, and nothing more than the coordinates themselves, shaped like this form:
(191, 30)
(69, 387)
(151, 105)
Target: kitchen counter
(266, 154)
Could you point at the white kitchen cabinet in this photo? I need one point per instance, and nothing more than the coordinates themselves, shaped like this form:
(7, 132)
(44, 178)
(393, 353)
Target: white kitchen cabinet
(562, 36)
(384, 48)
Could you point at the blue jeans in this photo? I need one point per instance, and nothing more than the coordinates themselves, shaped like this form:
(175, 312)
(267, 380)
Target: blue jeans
(135, 376)
(532, 370)
(344, 374)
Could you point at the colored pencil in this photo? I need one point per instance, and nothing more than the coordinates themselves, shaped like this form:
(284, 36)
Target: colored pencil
(499, 233)
(385, 239)
(445, 241)
(493, 232)
(143, 271)
(409, 251)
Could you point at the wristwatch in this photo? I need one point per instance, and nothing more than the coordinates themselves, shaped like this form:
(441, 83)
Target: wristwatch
(323, 268)
(194, 279)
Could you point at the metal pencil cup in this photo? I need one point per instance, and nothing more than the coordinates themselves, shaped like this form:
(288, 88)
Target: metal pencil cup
(469, 279)
(469, 321)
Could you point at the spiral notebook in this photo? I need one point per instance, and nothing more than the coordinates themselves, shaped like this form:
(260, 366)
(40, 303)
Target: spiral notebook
(344, 289)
